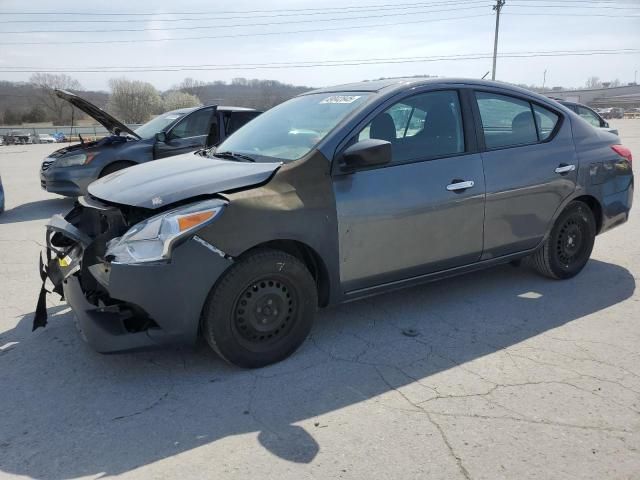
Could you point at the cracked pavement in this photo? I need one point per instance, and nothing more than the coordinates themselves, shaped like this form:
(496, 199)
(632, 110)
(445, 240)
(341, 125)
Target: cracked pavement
(510, 376)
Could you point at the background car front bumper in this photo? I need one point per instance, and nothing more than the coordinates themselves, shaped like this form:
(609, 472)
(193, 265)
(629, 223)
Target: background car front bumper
(67, 181)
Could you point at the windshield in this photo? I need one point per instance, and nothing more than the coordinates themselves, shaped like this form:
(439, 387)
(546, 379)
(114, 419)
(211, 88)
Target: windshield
(156, 125)
(290, 130)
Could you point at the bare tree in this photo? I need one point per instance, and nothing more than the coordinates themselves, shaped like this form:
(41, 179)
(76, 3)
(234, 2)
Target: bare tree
(594, 82)
(615, 83)
(133, 101)
(174, 100)
(45, 84)
(189, 85)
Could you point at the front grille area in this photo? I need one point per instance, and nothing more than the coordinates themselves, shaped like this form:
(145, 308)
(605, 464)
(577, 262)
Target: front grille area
(46, 165)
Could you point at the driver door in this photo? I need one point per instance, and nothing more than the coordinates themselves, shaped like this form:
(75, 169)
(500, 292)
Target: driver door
(189, 134)
(424, 211)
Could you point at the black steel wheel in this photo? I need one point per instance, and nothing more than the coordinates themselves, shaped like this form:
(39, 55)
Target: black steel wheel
(568, 247)
(261, 310)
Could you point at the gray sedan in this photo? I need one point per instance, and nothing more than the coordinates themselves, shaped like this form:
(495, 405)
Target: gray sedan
(332, 196)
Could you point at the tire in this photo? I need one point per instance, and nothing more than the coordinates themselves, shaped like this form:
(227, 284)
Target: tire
(568, 247)
(114, 167)
(261, 310)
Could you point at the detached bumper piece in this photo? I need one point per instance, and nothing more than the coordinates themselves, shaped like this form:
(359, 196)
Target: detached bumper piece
(121, 307)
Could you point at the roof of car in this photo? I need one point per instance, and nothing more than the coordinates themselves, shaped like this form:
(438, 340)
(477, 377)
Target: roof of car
(226, 108)
(223, 108)
(403, 82)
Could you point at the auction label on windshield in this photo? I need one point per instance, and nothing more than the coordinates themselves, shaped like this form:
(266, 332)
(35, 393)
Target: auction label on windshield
(341, 99)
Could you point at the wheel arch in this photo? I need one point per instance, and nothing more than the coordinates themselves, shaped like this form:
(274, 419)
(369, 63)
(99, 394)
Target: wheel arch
(128, 163)
(307, 255)
(593, 203)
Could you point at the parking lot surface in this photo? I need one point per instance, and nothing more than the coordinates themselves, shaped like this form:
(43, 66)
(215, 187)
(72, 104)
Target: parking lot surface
(510, 376)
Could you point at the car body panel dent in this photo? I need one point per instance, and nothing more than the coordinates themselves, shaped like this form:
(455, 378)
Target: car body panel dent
(296, 204)
(169, 180)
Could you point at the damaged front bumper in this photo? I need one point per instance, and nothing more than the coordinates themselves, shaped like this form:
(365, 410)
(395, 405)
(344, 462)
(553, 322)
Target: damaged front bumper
(122, 307)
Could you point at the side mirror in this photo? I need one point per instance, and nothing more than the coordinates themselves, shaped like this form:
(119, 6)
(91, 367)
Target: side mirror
(367, 153)
(161, 137)
(605, 124)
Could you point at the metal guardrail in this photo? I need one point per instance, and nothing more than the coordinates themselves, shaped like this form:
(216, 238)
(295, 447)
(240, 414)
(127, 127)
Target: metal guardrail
(66, 130)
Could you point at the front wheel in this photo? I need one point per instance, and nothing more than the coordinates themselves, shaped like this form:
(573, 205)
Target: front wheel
(568, 247)
(262, 309)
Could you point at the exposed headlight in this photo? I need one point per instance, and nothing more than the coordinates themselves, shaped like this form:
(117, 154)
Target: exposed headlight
(153, 239)
(73, 160)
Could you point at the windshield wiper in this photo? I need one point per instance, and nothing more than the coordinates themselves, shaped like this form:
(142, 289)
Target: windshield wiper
(234, 156)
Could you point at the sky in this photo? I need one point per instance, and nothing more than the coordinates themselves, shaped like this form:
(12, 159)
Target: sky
(305, 32)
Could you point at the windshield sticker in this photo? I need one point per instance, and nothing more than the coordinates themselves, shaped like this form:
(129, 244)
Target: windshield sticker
(341, 99)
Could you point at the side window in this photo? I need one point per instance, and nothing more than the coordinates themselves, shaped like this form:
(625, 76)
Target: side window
(234, 120)
(424, 126)
(546, 121)
(506, 121)
(194, 125)
(589, 116)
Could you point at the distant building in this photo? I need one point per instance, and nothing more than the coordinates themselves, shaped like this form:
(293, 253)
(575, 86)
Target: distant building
(626, 97)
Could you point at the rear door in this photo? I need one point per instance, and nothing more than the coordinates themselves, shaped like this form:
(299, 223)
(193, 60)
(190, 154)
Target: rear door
(530, 167)
(189, 134)
(424, 211)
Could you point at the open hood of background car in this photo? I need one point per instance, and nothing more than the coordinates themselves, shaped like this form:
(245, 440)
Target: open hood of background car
(107, 121)
(163, 182)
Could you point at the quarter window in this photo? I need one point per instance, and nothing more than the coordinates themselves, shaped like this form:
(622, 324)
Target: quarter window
(421, 127)
(506, 121)
(546, 121)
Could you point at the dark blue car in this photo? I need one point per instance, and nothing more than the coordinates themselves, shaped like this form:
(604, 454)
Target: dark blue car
(69, 170)
(1, 196)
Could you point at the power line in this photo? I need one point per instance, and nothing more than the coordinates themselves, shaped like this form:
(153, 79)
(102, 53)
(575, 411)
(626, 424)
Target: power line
(112, 14)
(144, 67)
(338, 63)
(315, 20)
(256, 34)
(634, 7)
(572, 15)
(251, 13)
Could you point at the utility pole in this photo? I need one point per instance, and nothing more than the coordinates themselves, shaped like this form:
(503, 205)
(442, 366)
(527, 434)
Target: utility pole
(544, 78)
(497, 7)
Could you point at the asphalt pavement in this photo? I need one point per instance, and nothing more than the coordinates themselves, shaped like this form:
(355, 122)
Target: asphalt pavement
(511, 376)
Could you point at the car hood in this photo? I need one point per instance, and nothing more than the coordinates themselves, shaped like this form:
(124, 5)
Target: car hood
(103, 118)
(159, 183)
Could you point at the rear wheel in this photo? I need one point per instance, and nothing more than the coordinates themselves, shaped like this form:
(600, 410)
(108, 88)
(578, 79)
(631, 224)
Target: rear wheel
(114, 167)
(568, 247)
(261, 310)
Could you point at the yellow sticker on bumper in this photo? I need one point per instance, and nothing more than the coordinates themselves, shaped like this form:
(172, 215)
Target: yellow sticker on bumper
(64, 262)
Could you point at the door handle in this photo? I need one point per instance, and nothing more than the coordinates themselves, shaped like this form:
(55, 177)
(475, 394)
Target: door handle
(564, 168)
(458, 185)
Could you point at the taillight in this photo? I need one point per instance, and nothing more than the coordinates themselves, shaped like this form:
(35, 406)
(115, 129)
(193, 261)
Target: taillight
(623, 151)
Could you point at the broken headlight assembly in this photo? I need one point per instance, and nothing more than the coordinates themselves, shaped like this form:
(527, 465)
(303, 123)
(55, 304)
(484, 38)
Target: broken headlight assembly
(152, 239)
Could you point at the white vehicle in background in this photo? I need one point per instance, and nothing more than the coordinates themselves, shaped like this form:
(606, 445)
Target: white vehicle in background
(45, 138)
